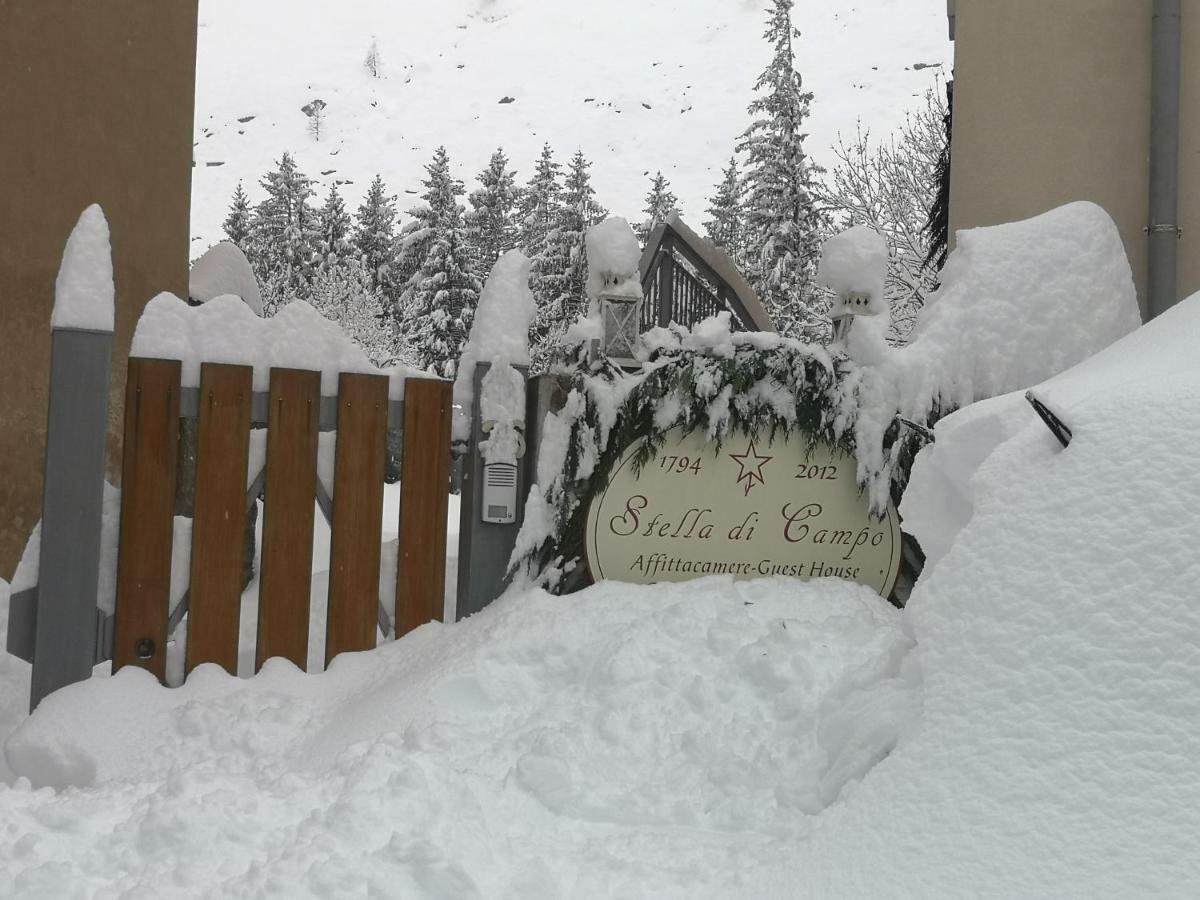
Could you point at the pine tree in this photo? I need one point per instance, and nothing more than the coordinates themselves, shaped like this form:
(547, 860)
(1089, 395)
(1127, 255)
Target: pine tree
(538, 216)
(439, 303)
(660, 203)
(442, 191)
(333, 227)
(563, 263)
(784, 224)
(237, 223)
(725, 227)
(491, 222)
(284, 228)
(539, 204)
(374, 237)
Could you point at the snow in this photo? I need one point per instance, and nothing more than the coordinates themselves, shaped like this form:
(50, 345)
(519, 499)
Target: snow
(578, 74)
(502, 411)
(854, 264)
(1024, 728)
(226, 330)
(614, 257)
(1019, 303)
(1056, 633)
(26, 574)
(1023, 301)
(83, 291)
(499, 334)
(627, 741)
(224, 269)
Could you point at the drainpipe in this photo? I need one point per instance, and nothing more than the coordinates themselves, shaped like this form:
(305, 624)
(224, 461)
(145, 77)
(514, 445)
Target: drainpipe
(1164, 231)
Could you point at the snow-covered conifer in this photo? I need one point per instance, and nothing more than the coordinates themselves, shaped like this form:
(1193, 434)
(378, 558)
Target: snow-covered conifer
(784, 224)
(237, 223)
(333, 226)
(439, 302)
(725, 226)
(374, 237)
(660, 203)
(563, 263)
(491, 221)
(343, 293)
(284, 227)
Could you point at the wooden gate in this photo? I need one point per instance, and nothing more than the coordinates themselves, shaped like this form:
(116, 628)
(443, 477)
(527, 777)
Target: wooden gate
(294, 413)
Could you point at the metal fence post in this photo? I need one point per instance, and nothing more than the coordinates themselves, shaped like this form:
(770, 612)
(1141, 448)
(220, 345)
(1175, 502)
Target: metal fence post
(484, 548)
(72, 508)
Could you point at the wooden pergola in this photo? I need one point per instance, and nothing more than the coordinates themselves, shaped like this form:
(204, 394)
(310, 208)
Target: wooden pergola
(685, 279)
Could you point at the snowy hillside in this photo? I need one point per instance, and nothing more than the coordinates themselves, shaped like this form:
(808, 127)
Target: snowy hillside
(637, 86)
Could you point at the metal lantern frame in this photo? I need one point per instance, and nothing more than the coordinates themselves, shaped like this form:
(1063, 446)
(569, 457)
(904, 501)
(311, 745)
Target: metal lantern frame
(621, 316)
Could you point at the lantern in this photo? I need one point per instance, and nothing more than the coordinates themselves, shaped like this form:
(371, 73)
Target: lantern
(622, 317)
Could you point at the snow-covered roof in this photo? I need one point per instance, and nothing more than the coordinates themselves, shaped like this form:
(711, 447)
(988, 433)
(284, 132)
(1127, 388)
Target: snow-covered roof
(707, 255)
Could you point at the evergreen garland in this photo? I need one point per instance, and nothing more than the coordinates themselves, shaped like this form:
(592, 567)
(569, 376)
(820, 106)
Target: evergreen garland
(718, 395)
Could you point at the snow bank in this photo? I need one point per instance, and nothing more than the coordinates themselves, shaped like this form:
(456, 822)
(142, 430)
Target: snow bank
(1021, 302)
(83, 292)
(1056, 633)
(499, 332)
(221, 271)
(226, 330)
(14, 687)
(623, 741)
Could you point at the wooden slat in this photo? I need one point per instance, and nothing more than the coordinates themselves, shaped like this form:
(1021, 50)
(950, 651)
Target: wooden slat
(219, 523)
(147, 520)
(357, 514)
(424, 490)
(287, 539)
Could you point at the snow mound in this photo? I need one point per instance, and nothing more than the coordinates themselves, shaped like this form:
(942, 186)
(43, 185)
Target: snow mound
(1021, 302)
(83, 292)
(580, 742)
(226, 330)
(222, 270)
(614, 258)
(1056, 634)
(499, 331)
(855, 262)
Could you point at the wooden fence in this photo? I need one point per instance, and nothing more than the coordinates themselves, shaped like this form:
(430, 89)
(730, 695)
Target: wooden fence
(293, 413)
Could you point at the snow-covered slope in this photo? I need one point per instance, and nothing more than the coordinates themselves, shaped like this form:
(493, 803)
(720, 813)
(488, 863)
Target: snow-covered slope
(637, 86)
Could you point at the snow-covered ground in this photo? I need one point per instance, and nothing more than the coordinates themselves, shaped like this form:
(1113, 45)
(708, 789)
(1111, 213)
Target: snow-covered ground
(1025, 728)
(637, 86)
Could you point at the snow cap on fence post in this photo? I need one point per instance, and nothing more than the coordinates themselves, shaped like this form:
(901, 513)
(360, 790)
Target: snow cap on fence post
(499, 332)
(83, 293)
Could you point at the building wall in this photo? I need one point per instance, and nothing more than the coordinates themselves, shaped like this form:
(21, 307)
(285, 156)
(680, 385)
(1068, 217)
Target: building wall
(96, 106)
(1052, 104)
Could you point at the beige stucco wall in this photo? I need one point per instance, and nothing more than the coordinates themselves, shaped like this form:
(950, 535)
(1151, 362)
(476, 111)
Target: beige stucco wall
(1052, 104)
(96, 103)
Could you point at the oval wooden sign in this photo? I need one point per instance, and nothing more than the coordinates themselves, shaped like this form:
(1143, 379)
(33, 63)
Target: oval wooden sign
(752, 509)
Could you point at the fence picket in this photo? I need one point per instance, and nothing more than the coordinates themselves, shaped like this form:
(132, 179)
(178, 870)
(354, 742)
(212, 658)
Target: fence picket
(357, 513)
(147, 506)
(424, 497)
(287, 537)
(219, 523)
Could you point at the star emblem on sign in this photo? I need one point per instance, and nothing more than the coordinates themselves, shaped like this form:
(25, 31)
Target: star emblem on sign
(750, 465)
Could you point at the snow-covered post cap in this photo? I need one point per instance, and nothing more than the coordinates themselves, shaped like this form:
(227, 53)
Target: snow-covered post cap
(614, 285)
(854, 264)
(499, 332)
(83, 293)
